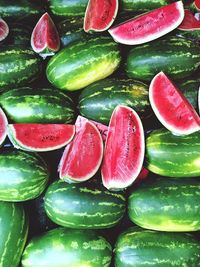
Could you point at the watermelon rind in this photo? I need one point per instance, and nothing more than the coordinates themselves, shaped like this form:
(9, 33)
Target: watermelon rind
(3, 132)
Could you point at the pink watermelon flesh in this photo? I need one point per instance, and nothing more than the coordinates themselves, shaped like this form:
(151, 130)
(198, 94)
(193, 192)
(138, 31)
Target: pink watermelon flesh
(149, 26)
(124, 149)
(45, 37)
(40, 137)
(189, 22)
(100, 14)
(197, 4)
(4, 29)
(82, 157)
(171, 107)
(3, 126)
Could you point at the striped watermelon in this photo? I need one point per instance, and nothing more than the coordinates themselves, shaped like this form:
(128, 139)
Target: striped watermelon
(83, 206)
(19, 34)
(169, 205)
(3, 126)
(23, 175)
(13, 232)
(64, 247)
(83, 62)
(167, 154)
(142, 5)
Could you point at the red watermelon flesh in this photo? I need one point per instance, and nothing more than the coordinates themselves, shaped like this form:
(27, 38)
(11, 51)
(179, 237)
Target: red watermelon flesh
(45, 38)
(189, 22)
(4, 29)
(40, 137)
(171, 107)
(3, 126)
(197, 4)
(124, 149)
(142, 175)
(100, 14)
(149, 26)
(82, 157)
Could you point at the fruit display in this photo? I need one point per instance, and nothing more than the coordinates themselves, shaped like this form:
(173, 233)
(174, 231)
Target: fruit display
(99, 133)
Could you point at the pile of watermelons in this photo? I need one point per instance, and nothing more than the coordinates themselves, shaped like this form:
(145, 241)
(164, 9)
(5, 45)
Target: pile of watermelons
(99, 133)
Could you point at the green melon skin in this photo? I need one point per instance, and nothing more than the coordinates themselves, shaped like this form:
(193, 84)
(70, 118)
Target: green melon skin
(141, 248)
(143, 5)
(176, 57)
(162, 204)
(83, 63)
(98, 100)
(82, 207)
(173, 156)
(19, 34)
(13, 232)
(63, 247)
(23, 175)
(44, 105)
(19, 66)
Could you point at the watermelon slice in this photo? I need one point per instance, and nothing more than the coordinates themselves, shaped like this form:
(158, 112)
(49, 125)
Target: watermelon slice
(3, 126)
(45, 38)
(197, 4)
(171, 107)
(189, 22)
(124, 149)
(149, 26)
(100, 14)
(82, 157)
(4, 29)
(40, 137)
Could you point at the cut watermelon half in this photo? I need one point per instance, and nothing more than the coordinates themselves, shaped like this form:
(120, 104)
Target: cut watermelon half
(149, 26)
(3, 126)
(100, 14)
(82, 157)
(45, 38)
(171, 107)
(4, 29)
(40, 137)
(189, 22)
(124, 149)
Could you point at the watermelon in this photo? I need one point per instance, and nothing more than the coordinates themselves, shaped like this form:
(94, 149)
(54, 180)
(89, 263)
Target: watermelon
(3, 126)
(124, 149)
(100, 15)
(176, 57)
(82, 157)
(13, 232)
(171, 107)
(98, 100)
(43, 105)
(149, 26)
(83, 206)
(23, 175)
(170, 205)
(64, 247)
(189, 22)
(19, 34)
(83, 62)
(195, 6)
(40, 137)
(19, 66)
(142, 5)
(135, 247)
(167, 154)
(4, 29)
(44, 38)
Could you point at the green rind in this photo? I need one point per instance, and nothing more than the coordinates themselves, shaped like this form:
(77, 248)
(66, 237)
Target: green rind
(23, 175)
(142, 5)
(13, 232)
(173, 156)
(44, 105)
(141, 248)
(19, 66)
(83, 63)
(176, 57)
(97, 101)
(64, 247)
(19, 34)
(169, 205)
(83, 207)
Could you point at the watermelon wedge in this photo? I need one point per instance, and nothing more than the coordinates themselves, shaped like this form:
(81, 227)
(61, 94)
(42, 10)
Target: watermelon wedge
(4, 29)
(124, 149)
(171, 107)
(40, 137)
(45, 38)
(100, 14)
(3, 126)
(189, 22)
(149, 26)
(82, 157)
(197, 4)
